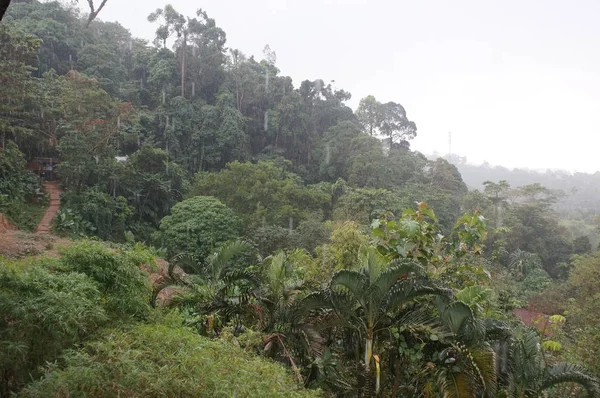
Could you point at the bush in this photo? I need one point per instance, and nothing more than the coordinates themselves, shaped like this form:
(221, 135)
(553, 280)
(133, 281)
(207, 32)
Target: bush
(164, 360)
(17, 187)
(42, 313)
(271, 238)
(94, 213)
(264, 192)
(198, 225)
(124, 285)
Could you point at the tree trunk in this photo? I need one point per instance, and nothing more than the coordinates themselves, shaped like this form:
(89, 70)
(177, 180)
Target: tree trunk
(368, 351)
(183, 51)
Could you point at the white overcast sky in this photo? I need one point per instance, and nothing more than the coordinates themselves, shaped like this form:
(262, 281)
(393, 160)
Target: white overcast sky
(517, 82)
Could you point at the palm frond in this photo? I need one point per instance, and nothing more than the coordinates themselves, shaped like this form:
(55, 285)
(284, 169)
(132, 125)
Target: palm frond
(353, 282)
(219, 260)
(399, 270)
(454, 385)
(409, 289)
(570, 373)
(188, 261)
(496, 330)
(484, 359)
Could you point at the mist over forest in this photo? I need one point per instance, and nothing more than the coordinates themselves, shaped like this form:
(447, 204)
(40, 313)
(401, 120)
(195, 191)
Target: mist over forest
(179, 218)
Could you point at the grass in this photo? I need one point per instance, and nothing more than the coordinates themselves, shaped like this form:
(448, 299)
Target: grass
(28, 216)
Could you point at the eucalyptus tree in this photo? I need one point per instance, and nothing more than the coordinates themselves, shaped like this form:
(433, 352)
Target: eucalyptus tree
(388, 120)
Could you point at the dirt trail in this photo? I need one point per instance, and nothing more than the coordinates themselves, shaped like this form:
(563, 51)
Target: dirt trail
(54, 191)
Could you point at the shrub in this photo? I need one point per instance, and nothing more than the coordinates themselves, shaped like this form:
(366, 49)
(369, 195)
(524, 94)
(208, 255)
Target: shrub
(271, 238)
(42, 313)
(198, 225)
(125, 286)
(17, 187)
(164, 360)
(95, 213)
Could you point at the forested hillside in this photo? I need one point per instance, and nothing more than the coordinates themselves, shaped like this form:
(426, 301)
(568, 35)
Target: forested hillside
(284, 223)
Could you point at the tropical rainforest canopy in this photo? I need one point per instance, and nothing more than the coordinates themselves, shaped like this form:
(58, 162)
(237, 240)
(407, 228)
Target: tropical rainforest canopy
(230, 232)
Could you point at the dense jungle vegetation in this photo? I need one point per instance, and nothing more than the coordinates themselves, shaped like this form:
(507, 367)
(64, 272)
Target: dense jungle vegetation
(310, 251)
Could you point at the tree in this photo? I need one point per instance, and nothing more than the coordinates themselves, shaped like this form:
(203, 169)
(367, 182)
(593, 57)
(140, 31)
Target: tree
(249, 188)
(153, 184)
(497, 194)
(582, 245)
(291, 335)
(396, 126)
(388, 120)
(173, 22)
(369, 114)
(17, 50)
(203, 33)
(579, 299)
(530, 375)
(198, 225)
(219, 286)
(366, 302)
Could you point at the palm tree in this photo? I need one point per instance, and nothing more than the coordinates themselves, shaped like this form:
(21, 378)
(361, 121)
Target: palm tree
(291, 335)
(366, 303)
(467, 364)
(219, 284)
(529, 376)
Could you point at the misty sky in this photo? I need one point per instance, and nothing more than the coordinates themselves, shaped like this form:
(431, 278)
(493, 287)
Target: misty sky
(517, 82)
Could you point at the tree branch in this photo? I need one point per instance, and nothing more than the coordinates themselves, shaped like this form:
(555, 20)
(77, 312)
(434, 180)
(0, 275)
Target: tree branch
(93, 12)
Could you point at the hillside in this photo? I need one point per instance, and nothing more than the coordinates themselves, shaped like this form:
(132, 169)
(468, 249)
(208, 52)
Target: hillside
(212, 228)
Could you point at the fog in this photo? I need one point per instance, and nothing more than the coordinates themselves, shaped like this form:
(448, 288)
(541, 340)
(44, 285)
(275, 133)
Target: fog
(515, 82)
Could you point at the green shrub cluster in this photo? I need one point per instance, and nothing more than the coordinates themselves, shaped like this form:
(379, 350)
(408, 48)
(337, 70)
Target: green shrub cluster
(48, 305)
(164, 360)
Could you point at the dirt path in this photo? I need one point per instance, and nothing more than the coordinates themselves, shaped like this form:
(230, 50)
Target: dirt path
(54, 191)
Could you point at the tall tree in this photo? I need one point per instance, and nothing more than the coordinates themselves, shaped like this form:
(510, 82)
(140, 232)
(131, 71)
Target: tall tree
(395, 126)
(369, 114)
(172, 22)
(388, 120)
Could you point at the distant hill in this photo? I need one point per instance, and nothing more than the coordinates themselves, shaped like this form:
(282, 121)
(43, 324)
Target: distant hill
(581, 190)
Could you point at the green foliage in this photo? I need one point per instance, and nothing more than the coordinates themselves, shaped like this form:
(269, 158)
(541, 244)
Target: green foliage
(262, 193)
(18, 186)
(342, 252)
(155, 360)
(124, 286)
(582, 245)
(153, 184)
(363, 205)
(198, 225)
(298, 173)
(271, 238)
(42, 312)
(94, 213)
(579, 298)
(67, 222)
(532, 376)
(416, 235)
